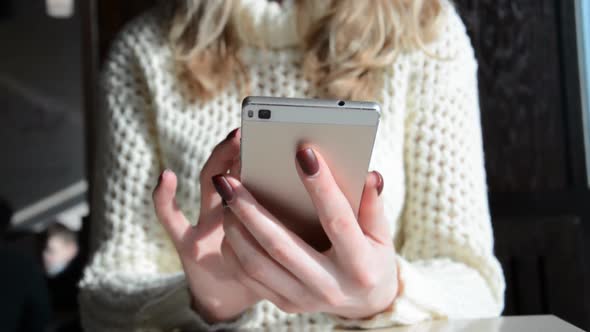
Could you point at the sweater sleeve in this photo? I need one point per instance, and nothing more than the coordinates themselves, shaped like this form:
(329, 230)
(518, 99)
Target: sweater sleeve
(446, 262)
(134, 280)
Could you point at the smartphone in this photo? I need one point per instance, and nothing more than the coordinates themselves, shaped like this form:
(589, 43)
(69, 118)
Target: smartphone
(273, 129)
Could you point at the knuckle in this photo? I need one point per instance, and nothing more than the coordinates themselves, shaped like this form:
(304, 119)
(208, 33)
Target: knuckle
(188, 249)
(338, 224)
(278, 251)
(253, 268)
(333, 298)
(245, 211)
(334, 301)
(322, 190)
(366, 279)
(213, 307)
(240, 211)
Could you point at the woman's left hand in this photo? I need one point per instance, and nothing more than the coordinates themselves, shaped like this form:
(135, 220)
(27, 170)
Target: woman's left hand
(356, 278)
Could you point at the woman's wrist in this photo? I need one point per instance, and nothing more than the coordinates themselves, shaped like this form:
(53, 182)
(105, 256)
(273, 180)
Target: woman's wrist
(391, 302)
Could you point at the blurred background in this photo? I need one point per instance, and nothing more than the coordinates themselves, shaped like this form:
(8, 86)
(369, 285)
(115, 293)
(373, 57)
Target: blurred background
(534, 72)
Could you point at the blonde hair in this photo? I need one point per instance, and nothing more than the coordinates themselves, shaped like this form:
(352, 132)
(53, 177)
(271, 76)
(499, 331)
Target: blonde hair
(345, 51)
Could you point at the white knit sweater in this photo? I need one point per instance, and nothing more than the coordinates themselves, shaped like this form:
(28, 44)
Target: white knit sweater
(428, 149)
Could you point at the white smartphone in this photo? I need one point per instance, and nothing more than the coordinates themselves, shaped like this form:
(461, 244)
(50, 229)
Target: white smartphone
(273, 129)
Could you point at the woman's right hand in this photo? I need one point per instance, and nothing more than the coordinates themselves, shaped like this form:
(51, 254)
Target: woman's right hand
(217, 295)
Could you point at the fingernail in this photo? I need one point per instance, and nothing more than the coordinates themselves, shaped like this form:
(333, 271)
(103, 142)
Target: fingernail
(161, 176)
(380, 182)
(232, 134)
(223, 203)
(308, 161)
(224, 189)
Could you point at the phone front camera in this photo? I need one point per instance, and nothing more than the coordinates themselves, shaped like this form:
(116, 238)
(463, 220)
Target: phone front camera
(250, 114)
(264, 114)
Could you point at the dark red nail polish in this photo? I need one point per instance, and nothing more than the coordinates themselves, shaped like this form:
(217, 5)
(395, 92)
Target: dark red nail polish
(232, 134)
(308, 161)
(380, 183)
(224, 189)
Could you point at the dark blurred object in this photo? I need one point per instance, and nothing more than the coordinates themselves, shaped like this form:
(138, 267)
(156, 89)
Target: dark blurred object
(24, 303)
(5, 215)
(543, 265)
(41, 132)
(61, 247)
(41, 124)
(63, 282)
(112, 15)
(5, 9)
(61, 289)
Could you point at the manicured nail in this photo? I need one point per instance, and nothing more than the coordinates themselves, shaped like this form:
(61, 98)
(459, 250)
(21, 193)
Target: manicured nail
(308, 161)
(380, 182)
(224, 189)
(232, 134)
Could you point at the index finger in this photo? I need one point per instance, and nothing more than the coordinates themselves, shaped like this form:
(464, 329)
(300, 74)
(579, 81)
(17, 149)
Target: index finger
(332, 206)
(220, 161)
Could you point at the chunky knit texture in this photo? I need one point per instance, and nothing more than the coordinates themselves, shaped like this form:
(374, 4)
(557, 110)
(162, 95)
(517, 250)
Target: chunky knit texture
(428, 149)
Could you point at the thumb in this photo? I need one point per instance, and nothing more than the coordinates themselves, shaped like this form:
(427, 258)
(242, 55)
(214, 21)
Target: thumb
(371, 217)
(168, 213)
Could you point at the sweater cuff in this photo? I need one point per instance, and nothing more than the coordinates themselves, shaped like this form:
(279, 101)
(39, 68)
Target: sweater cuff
(409, 307)
(172, 310)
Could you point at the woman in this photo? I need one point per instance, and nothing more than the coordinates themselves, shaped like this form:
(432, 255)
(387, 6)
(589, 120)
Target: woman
(422, 246)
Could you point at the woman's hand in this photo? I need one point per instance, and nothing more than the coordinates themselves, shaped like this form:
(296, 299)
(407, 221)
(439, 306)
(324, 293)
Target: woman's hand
(356, 278)
(217, 295)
